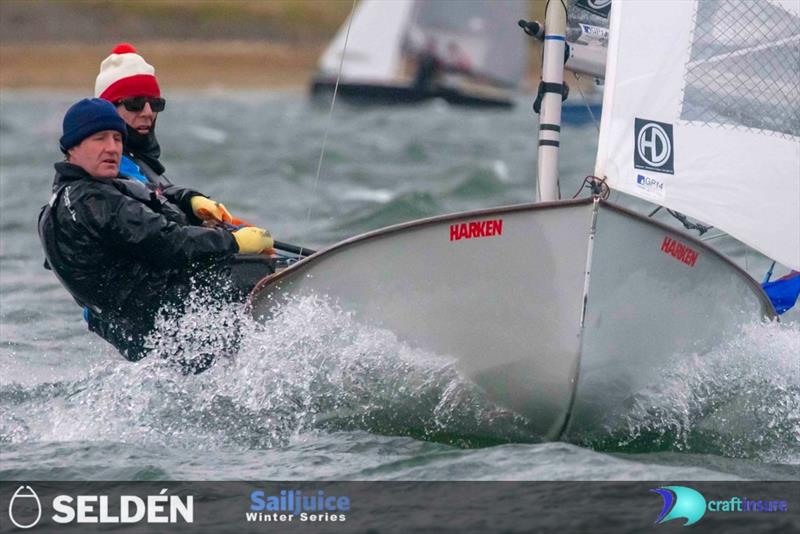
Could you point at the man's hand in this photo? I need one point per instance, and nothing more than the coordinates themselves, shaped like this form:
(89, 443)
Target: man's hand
(253, 240)
(209, 210)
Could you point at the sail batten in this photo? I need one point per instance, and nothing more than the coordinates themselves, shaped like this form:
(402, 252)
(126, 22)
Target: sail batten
(702, 115)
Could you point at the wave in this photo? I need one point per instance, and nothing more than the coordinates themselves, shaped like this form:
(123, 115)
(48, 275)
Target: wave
(401, 208)
(741, 400)
(314, 367)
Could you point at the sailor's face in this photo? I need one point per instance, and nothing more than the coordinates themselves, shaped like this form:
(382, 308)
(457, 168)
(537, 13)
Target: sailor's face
(141, 121)
(99, 154)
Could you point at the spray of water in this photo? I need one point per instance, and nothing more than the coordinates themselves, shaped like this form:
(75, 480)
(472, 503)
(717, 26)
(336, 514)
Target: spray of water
(741, 400)
(311, 368)
(315, 368)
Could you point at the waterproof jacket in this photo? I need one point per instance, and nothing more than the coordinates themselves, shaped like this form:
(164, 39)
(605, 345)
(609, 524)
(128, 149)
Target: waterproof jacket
(141, 157)
(123, 250)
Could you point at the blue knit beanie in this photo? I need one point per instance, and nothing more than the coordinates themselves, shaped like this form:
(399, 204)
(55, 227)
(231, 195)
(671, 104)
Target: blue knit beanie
(87, 117)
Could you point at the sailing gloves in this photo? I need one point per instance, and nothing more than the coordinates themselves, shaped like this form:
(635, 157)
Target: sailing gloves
(209, 210)
(253, 240)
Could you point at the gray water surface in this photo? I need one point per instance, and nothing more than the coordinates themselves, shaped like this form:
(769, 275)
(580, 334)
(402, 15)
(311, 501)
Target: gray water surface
(313, 394)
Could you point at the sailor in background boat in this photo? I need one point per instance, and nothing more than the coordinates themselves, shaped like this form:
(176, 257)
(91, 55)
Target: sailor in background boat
(432, 64)
(121, 249)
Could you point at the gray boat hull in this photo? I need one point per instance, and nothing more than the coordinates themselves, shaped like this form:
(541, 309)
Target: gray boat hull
(559, 311)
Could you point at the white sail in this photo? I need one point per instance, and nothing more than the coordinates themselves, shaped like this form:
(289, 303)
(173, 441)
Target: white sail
(701, 114)
(375, 42)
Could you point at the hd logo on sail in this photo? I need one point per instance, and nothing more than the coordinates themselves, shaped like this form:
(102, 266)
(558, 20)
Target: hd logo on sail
(653, 148)
(25, 509)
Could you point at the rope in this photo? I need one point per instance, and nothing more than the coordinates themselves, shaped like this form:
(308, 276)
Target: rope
(769, 274)
(597, 185)
(688, 224)
(330, 112)
(586, 102)
(685, 221)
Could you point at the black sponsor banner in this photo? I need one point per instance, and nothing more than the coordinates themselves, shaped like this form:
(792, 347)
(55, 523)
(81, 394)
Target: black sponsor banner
(381, 507)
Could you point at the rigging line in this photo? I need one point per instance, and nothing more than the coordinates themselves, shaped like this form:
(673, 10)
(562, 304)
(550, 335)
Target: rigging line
(586, 102)
(330, 112)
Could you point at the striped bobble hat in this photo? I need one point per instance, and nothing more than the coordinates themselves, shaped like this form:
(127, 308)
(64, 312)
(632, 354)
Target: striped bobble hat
(125, 74)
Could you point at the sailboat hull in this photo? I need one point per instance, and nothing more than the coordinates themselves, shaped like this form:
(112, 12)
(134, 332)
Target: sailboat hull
(380, 94)
(510, 294)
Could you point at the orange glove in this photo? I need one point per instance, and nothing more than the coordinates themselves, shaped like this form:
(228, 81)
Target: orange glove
(209, 210)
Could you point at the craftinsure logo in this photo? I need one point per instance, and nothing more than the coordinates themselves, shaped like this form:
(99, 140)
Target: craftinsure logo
(681, 502)
(25, 509)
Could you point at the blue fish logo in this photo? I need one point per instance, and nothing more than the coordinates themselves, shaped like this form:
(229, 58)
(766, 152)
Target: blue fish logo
(681, 502)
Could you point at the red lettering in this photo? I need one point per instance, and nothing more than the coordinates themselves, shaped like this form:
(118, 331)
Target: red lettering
(680, 252)
(476, 229)
(683, 253)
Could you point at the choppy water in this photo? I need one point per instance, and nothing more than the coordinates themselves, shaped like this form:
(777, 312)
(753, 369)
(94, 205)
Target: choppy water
(313, 394)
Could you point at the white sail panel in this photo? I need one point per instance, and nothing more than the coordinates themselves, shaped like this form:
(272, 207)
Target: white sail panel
(375, 42)
(701, 114)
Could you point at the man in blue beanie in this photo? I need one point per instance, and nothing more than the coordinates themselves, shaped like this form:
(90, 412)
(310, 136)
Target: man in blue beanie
(118, 247)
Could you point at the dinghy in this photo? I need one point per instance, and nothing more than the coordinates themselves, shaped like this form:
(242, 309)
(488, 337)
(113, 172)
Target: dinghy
(406, 51)
(587, 302)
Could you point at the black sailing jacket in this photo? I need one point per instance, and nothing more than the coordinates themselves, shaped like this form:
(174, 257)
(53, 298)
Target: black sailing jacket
(123, 250)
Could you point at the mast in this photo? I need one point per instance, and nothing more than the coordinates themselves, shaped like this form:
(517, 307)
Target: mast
(551, 87)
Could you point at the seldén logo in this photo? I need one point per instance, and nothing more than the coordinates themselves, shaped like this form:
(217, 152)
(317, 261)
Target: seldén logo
(25, 508)
(19, 511)
(681, 502)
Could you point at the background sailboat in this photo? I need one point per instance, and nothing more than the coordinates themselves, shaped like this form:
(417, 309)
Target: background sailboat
(411, 50)
(589, 303)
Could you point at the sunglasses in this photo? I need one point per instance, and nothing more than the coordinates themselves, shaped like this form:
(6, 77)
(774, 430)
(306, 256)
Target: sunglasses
(137, 103)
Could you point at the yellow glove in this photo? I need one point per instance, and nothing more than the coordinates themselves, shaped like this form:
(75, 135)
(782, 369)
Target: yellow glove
(209, 210)
(253, 240)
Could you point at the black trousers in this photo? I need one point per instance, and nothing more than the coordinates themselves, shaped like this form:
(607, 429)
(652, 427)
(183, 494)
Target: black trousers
(134, 334)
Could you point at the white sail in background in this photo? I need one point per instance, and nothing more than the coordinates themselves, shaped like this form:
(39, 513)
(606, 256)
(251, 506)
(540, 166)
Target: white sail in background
(480, 40)
(701, 114)
(374, 48)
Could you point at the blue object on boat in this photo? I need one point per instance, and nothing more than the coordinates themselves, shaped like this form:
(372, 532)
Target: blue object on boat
(784, 291)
